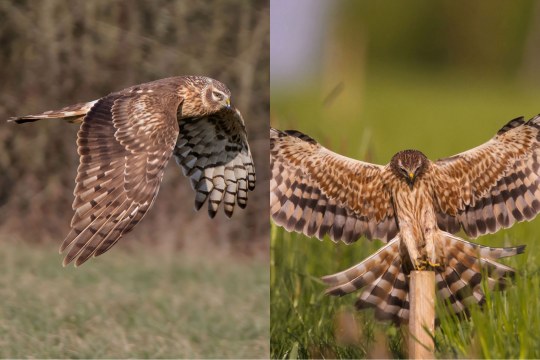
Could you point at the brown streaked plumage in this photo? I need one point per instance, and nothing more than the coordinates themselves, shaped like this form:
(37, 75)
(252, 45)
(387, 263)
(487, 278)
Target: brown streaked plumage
(125, 140)
(415, 205)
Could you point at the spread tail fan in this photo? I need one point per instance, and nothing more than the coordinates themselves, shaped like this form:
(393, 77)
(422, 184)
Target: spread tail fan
(384, 277)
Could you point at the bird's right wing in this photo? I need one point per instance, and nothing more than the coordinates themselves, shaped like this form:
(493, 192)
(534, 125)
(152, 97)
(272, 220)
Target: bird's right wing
(214, 153)
(317, 192)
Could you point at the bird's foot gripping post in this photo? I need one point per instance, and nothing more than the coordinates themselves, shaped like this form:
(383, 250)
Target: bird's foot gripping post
(422, 315)
(425, 265)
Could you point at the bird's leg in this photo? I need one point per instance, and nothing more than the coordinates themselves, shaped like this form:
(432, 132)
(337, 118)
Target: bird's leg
(412, 246)
(432, 236)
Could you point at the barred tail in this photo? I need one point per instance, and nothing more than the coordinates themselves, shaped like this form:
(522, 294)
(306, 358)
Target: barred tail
(73, 114)
(383, 280)
(384, 277)
(460, 281)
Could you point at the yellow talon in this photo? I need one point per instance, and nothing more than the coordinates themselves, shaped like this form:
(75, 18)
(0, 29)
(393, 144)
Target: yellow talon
(420, 265)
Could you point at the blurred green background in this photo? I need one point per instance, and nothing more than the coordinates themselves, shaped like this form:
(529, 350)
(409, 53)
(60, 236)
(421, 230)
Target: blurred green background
(367, 79)
(180, 284)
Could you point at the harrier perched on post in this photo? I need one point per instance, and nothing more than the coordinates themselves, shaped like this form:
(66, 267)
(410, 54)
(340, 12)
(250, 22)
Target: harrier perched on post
(125, 140)
(415, 205)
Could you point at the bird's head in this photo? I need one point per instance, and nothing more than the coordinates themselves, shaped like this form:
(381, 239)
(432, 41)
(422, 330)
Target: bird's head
(409, 165)
(215, 96)
(202, 96)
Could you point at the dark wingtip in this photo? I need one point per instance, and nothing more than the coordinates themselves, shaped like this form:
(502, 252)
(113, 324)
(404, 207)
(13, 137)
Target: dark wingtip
(198, 205)
(301, 136)
(229, 213)
(294, 133)
(20, 120)
(512, 124)
(520, 249)
(242, 205)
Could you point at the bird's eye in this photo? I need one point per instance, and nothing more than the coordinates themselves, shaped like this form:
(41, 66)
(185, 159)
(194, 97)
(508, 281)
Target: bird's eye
(217, 95)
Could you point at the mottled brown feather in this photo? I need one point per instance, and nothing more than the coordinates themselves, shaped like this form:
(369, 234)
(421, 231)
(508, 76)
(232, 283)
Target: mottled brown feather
(119, 143)
(318, 192)
(493, 185)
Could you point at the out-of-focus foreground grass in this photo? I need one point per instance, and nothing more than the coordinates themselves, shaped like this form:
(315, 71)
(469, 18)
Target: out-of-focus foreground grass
(139, 303)
(440, 115)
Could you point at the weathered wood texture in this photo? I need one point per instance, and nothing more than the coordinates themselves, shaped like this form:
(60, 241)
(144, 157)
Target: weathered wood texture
(422, 316)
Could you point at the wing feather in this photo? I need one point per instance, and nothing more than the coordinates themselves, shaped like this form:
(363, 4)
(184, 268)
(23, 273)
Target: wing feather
(214, 153)
(317, 192)
(493, 185)
(124, 142)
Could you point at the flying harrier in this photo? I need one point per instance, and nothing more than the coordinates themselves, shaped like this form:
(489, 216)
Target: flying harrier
(125, 140)
(415, 205)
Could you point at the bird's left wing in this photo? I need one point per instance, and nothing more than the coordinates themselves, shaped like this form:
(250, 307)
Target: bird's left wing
(493, 185)
(213, 152)
(317, 192)
(124, 143)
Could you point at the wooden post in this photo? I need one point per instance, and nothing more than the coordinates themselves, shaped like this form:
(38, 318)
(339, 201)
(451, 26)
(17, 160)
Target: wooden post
(422, 315)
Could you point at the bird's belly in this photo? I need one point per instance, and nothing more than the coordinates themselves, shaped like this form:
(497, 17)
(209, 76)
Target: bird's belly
(417, 223)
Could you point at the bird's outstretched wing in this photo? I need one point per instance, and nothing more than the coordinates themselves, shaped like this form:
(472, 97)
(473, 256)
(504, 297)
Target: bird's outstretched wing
(214, 153)
(493, 185)
(124, 143)
(317, 192)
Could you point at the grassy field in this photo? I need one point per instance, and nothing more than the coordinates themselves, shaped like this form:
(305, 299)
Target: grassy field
(139, 303)
(440, 115)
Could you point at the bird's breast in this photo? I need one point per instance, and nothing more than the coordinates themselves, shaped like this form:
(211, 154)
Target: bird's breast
(414, 204)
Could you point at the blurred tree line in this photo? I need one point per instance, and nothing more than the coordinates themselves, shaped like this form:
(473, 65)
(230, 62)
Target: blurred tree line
(55, 53)
(488, 37)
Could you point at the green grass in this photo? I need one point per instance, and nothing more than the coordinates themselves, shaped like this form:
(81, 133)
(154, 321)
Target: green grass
(139, 303)
(440, 115)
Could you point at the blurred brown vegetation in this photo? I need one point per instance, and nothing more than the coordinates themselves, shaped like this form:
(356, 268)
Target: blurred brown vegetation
(55, 53)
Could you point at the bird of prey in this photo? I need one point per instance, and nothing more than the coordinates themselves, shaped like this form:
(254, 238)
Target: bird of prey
(127, 137)
(415, 206)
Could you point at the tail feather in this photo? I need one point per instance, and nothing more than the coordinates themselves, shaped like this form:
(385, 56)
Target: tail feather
(73, 113)
(364, 273)
(387, 294)
(384, 277)
(377, 292)
(446, 295)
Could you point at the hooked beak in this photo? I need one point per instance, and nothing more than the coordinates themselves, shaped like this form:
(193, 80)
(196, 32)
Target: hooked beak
(228, 103)
(410, 180)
